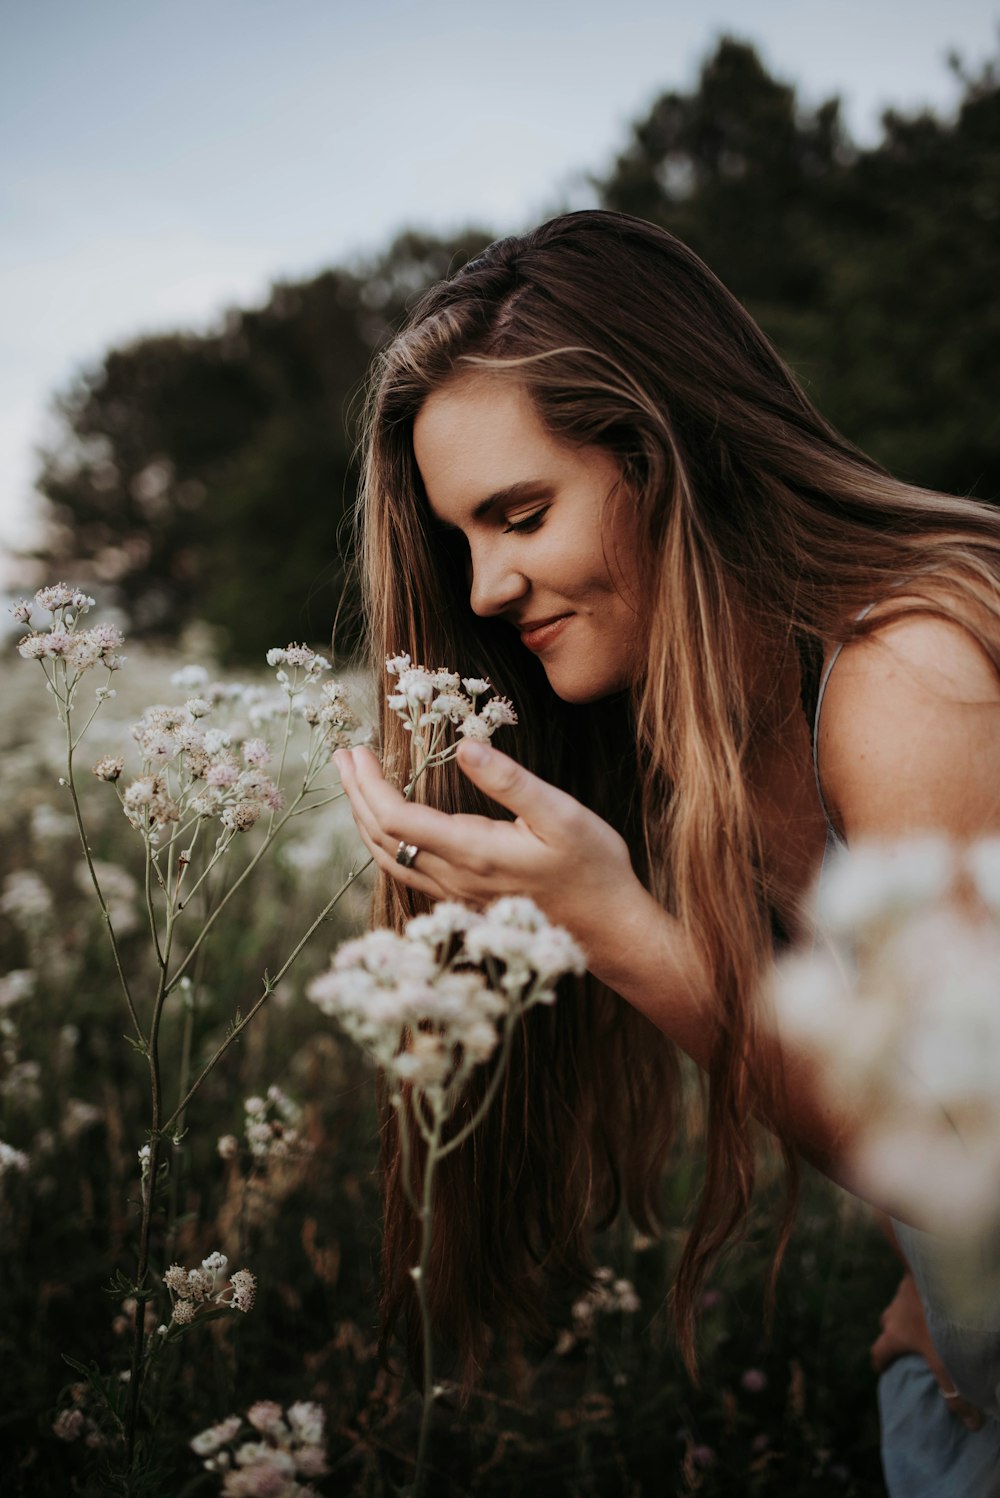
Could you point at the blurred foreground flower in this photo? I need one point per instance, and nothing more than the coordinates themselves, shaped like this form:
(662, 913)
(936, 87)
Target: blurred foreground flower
(278, 1448)
(899, 1003)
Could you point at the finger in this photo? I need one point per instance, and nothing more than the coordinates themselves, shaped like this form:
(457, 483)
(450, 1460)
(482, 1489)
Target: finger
(462, 840)
(541, 806)
(883, 1352)
(412, 875)
(365, 818)
(970, 1417)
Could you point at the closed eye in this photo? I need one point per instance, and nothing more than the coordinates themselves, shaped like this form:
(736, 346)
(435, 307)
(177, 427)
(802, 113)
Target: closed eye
(529, 523)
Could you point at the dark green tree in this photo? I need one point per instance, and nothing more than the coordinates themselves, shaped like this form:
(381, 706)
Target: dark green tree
(213, 477)
(873, 270)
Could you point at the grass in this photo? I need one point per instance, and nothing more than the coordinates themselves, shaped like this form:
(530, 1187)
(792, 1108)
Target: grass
(788, 1408)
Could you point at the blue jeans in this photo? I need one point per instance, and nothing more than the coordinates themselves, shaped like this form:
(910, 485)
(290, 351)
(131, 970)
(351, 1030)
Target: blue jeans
(926, 1451)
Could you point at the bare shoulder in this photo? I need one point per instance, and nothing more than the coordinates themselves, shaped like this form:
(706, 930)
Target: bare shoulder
(910, 732)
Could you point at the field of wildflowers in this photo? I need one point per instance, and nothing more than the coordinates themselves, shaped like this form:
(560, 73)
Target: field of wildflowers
(209, 1295)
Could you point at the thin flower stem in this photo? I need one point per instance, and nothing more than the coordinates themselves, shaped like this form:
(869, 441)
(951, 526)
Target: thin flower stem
(302, 810)
(433, 1156)
(269, 987)
(185, 1071)
(156, 1131)
(220, 849)
(150, 908)
(491, 1091)
(209, 923)
(96, 709)
(71, 781)
(284, 751)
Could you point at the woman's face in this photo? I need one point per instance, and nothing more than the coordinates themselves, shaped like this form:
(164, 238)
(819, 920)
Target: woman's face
(548, 553)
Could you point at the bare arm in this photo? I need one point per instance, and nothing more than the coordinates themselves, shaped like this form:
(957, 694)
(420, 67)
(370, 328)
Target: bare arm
(911, 742)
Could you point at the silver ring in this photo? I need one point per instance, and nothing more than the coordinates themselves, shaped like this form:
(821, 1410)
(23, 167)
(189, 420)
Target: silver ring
(950, 1394)
(406, 854)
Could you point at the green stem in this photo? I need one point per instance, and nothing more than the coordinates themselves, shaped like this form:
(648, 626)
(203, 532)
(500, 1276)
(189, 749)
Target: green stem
(433, 1156)
(77, 812)
(270, 985)
(210, 922)
(491, 1091)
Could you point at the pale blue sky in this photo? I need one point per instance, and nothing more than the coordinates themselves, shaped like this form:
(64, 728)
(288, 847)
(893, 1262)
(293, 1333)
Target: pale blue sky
(159, 162)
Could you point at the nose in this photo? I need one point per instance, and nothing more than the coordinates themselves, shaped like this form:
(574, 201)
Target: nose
(495, 581)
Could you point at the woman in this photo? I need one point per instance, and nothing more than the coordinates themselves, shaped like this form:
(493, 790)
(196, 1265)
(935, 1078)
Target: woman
(591, 478)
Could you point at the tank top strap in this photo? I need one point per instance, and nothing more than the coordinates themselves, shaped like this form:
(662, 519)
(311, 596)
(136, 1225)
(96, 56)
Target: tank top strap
(832, 833)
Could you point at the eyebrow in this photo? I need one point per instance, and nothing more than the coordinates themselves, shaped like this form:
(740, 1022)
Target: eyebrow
(524, 489)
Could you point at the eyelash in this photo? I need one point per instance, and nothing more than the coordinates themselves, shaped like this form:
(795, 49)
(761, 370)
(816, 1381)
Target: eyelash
(528, 524)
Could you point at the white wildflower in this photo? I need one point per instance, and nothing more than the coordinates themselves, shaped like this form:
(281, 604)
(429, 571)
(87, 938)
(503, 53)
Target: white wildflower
(109, 767)
(983, 862)
(12, 1159)
(499, 713)
(79, 1116)
(209, 1441)
(875, 881)
(189, 678)
(57, 596)
(244, 1288)
(896, 1001)
(476, 727)
(306, 1421)
(228, 1147)
(16, 986)
(447, 919)
(242, 816)
(68, 1425)
(26, 898)
(268, 1417)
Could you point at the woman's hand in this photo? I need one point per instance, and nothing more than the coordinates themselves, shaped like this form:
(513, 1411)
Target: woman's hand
(569, 861)
(904, 1329)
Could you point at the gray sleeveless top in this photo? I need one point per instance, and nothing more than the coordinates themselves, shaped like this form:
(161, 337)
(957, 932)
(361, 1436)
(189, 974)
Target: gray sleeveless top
(833, 837)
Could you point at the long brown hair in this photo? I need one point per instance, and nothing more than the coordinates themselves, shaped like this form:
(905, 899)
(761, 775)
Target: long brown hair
(763, 532)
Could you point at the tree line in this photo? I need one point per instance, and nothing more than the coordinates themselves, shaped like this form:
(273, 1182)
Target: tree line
(212, 477)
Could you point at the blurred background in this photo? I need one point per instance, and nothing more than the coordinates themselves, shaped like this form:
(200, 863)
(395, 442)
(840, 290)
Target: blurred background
(215, 212)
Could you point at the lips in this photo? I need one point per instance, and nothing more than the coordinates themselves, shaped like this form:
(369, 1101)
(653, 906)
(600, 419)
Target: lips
(536, 634)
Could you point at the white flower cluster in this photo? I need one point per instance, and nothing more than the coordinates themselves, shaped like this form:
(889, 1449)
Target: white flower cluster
(12, 1159)
(431, 702)
(608, 1296)
(79, 649)
(448, 982)
(191, 1289)
(898, 1002)
(193, 767)
(26, 898)
(282, 1446)
(16, 986)
(190, 768)
(77, 1421)
(271, 1125)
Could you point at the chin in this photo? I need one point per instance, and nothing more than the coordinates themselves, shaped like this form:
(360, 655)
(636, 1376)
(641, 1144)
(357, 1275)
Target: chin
(580, 692)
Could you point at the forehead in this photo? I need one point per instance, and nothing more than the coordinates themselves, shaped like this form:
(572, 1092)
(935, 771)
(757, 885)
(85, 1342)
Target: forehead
(478, 434)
